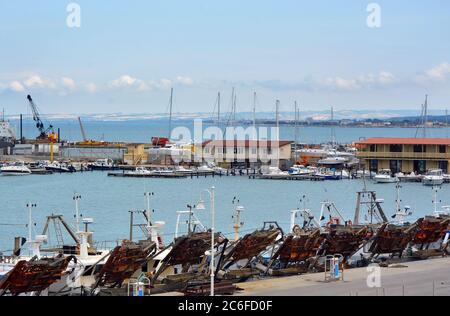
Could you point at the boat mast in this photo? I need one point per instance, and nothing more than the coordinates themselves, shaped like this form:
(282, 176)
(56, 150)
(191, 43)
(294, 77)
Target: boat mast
(446, 122)
(170, 112)
(254, 110)
(296, 124)
(425, 124)
(333, 135)
(218, 109)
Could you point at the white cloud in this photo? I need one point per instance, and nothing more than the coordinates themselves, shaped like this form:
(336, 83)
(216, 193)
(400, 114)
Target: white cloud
(186, 81)
(361, 82)
(68, 83)
(439, 73)
(126, 81)
(16, 86)
(91, 87)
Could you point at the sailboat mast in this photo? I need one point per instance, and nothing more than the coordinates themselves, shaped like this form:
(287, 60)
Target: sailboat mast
(277, 109)
(446, 122)
(333, 135)
(425, 123)
(296, 123)
(218, 109)
(254, 110)
(170, 112)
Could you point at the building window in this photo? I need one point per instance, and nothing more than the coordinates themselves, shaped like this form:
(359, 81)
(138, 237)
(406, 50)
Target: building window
(396, 166)
(420, 149)
(443, 165)
(373, 165)
(396, 148)
(373, 148)
(442, 149)
(420, 166)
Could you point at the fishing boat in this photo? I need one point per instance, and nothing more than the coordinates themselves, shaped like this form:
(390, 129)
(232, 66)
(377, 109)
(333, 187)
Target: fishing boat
(385, 176)
(433, 178)
(15, 169)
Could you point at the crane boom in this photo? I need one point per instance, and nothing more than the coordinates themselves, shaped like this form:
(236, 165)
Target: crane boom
(83, 133)
(37, 118)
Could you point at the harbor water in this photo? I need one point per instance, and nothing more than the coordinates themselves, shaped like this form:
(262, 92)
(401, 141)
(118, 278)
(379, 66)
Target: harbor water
(108, 200)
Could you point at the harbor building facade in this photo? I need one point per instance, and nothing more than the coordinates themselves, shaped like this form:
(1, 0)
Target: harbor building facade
(247, 153)
(405, 155)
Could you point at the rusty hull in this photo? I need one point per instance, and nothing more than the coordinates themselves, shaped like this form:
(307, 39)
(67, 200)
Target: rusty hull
(35, 275)
(123, 262)
(431, 230)
(299, 248)
(344, 240)
(391, 239)
(190, 249)
(252, 245)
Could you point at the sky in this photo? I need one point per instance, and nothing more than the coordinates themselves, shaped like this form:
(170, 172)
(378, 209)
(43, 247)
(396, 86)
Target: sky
(126, 55)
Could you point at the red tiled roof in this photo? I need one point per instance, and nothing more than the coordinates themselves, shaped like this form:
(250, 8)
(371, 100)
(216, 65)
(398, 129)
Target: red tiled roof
(246, 143)
(405, 141)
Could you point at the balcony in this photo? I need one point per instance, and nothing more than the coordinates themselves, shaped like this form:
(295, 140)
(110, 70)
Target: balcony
(403, 155)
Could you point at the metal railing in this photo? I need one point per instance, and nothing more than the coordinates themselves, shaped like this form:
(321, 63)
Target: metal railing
(403, 155)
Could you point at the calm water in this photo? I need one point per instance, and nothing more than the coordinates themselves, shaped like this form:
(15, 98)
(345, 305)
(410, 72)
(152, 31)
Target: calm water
(108, 200)
(142, 131)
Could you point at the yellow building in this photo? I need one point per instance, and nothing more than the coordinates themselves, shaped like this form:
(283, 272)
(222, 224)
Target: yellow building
(405, 154)
(135, 154)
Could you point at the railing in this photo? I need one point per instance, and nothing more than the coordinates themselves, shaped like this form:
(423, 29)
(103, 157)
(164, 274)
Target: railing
(404, 155)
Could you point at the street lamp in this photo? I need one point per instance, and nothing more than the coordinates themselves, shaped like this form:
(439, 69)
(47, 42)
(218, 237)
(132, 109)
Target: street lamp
(201, 206)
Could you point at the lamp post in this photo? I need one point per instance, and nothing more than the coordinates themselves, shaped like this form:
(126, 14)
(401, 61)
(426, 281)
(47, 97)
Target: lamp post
(30, 207)
(77, 198)
(211, 193)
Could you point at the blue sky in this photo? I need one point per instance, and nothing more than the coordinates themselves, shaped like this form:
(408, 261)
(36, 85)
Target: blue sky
(127, 55)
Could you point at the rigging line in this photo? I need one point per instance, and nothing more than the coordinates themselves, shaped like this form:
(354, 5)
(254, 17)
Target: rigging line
(6, 224)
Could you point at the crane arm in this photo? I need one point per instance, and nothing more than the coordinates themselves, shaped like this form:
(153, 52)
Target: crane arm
(83, 133)
(36, 116)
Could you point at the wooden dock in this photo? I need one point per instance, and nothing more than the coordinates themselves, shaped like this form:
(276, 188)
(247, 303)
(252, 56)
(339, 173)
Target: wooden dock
(286, 177)
(153, 175)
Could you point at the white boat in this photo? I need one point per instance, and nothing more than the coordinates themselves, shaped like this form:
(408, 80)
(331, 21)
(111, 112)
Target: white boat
(433, 177)
(300, 170)
(205, 169)
(102, 164)
(385, 176)
(16, 169)
(140, 171)
(183, 170)
(161, 171)
(60, 167)
(275, 172)
(333, 161)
